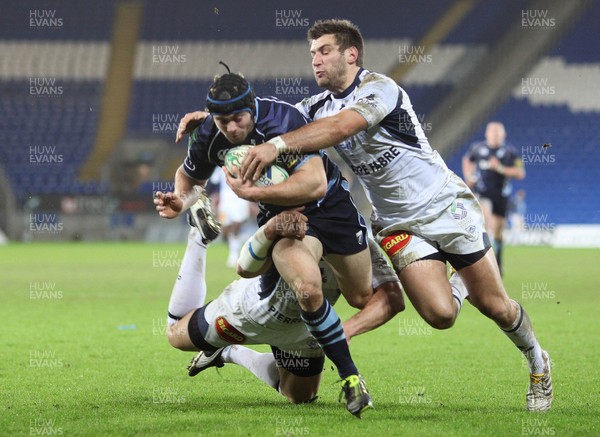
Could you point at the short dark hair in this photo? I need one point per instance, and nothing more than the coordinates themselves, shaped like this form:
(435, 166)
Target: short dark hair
(345, 32)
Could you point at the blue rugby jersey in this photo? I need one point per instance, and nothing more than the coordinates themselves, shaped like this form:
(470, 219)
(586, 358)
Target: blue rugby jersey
(489, 182)
(207, 148)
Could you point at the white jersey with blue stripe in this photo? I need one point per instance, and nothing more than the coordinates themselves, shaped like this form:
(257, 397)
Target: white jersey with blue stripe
(392, 158)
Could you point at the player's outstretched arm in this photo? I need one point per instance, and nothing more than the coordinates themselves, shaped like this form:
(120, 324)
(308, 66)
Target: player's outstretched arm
(320, 134)
(254, 257)
(387, 301)
(189, 122)
(170, 205)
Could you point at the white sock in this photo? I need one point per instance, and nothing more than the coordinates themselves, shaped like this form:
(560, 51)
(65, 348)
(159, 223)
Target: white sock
(235, 244)
(522, 335)
(262, 365)
(189, 291)
(459, 290)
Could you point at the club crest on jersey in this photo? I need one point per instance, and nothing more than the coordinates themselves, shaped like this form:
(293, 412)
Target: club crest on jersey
(228, 332)
(394, 243)
(221, 154)
(370, 100)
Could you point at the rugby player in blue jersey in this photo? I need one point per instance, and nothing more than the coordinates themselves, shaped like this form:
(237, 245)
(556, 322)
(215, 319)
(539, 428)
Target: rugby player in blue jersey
(488, 167)
(336, 230)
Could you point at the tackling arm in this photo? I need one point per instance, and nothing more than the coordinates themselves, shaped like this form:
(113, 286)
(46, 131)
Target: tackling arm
(308, 183)
(189, 122)
(323, 133)
(387, 301)
(320, 134)
(254, 257)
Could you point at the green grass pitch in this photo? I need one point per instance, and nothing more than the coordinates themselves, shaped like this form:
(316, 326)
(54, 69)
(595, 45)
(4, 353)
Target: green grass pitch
(84, 353)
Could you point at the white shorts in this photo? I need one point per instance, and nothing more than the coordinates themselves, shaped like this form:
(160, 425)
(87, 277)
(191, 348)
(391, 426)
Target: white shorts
(232, 209)
(457, 233)
(228, 324)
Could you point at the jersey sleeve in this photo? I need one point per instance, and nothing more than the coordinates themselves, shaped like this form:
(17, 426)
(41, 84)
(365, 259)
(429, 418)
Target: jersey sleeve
(293, 161)
(376, 97)
(283, 118)
(196, 164)
(513, 159)
(303, 107)
(471, 153)
(280, 119)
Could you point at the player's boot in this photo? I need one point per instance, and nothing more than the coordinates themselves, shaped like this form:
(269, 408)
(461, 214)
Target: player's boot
(355, 394)
(539, 395)
(202, 217)
(202, 361)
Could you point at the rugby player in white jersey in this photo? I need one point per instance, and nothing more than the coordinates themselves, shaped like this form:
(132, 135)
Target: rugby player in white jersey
(264, 310)
(425, 215)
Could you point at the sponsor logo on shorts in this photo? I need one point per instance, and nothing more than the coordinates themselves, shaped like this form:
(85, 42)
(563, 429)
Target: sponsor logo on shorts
(360, 237)
(228, 332)
(458, 211)
(395, 243)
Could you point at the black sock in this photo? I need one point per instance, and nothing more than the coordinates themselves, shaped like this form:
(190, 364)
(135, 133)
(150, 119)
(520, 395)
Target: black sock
(499, 254)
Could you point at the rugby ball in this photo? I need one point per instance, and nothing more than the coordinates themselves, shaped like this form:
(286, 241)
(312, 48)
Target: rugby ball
(271, 175)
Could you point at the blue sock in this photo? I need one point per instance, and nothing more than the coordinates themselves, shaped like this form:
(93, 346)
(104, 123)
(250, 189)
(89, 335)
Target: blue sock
(497, 245)
(325, 325)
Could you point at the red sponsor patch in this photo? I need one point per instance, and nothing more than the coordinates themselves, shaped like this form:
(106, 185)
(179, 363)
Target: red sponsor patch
(392, 244)
(228, 332)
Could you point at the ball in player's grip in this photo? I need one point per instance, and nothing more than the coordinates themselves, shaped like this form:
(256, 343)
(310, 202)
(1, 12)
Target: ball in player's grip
(272, 175)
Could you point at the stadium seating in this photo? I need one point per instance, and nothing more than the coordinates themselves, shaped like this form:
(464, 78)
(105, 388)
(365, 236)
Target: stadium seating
(186, 20)
(428, 83)
(174, 90)
(51, 82)
(76, 56)
(562, 111)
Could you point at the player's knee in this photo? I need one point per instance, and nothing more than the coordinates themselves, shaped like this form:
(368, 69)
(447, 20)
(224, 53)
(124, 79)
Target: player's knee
(445, 321)
(301, 398)
(175, 338)
(359, 300)
(442, 318)
(307, 290)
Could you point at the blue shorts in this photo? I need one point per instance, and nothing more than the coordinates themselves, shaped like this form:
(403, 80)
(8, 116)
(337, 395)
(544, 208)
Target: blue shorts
(498, 202)
(335, 222)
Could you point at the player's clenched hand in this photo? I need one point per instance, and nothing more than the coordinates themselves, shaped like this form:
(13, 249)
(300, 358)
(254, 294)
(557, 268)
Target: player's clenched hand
(243, 189)
(189, 122)
(257, 159)
(168, 205)
(287, 224)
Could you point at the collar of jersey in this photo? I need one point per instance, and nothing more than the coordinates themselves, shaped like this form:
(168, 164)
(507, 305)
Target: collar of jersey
(351, 88)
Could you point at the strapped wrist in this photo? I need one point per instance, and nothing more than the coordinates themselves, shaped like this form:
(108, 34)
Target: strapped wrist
(279, 144)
